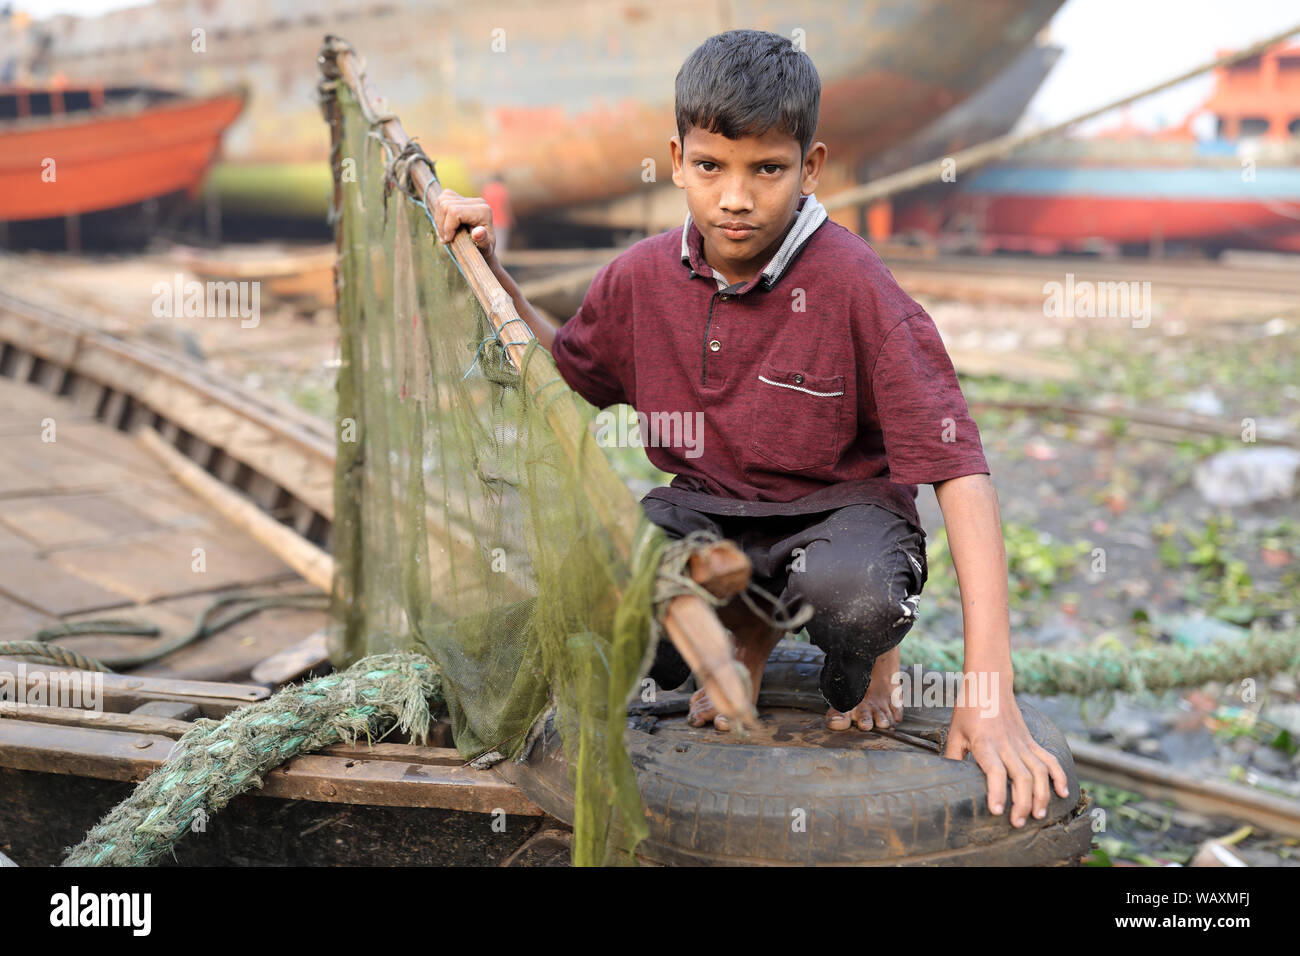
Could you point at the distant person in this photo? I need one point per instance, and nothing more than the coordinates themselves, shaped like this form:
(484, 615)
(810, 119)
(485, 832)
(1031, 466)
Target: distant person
(496, 196)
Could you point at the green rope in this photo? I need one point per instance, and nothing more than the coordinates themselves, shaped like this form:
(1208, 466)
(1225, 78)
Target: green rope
(216, 761)
(1047, 672)
(83, 628)
(34, 652)
(40, 651)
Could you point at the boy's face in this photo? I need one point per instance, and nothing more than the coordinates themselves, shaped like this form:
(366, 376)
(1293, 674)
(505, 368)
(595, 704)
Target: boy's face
(753, 183)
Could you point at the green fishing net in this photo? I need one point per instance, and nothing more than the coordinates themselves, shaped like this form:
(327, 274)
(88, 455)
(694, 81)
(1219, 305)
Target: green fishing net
(476, 518)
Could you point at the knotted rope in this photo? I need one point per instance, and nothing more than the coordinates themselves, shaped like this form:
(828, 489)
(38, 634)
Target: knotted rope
(674, 579)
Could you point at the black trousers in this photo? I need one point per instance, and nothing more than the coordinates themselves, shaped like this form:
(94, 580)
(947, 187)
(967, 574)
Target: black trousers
(861, 567)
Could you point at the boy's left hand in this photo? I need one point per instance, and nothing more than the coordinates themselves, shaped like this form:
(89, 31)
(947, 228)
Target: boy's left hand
(1002, 747)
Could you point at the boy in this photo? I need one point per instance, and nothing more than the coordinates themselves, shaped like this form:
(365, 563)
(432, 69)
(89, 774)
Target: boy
(824, 394)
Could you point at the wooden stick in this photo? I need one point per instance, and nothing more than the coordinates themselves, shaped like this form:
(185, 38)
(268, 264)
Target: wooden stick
(1274, 813)
(294, 661)
(315, 565)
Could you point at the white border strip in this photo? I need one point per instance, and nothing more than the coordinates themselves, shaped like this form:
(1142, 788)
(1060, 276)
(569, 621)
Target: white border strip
(797, 388)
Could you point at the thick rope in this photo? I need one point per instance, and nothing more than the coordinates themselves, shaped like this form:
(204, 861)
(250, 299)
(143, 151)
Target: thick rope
(36, 652)
(1086, 671)
(216, 761)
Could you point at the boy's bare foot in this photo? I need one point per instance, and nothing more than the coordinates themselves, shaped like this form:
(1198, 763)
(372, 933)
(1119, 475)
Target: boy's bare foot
(876, 709)
(754, 642)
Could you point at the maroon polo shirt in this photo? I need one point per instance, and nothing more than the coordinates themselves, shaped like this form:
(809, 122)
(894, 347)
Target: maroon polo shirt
(820, 383)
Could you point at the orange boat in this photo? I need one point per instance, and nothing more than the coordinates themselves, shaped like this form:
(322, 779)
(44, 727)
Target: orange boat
(66, 152)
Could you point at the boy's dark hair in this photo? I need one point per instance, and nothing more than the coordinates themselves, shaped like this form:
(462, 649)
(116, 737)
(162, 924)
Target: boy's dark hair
(745, 82)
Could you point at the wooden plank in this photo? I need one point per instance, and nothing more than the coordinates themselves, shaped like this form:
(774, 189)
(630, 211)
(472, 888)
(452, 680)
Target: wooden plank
(118, 755)
(1104, 765)
(165, 565)
(18, 622)
(26, 405)
(163, 502)
(46, 523)
(10, 541)
(42, 584)
(102, 754)
(304, 557)
(395, 784)
(439, 752)
(118, 447)
(125, 692)
(63, 465)
(85, 395)
(231, 654)
(58, 520)
(294, 661)
(226, 656)
(133, 722)
(56, 343)
(168, 709)
(17, 479)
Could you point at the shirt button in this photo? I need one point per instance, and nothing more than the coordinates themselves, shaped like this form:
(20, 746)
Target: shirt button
(714, 345)
(798, 378)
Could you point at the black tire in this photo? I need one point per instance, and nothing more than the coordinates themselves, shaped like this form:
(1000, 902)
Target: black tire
(712, 801)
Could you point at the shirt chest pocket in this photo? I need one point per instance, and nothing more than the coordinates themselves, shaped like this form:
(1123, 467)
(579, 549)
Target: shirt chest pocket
(797, 418)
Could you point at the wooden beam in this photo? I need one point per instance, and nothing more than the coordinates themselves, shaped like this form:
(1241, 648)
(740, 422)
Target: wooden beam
(143, 722)
(386, 782)
(294, 661)
(311, 562)
(125, 692)
(1104, 765)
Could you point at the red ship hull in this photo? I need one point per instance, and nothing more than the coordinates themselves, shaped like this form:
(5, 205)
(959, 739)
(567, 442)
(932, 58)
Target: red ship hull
(86, 162)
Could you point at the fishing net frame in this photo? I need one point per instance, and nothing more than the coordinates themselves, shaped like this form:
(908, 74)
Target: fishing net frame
(477, 520)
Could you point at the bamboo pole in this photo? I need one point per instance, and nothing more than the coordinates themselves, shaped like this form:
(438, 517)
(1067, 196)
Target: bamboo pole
(695, 631)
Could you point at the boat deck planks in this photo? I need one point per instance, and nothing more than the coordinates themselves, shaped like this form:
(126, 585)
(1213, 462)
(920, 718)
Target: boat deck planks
(91, 525)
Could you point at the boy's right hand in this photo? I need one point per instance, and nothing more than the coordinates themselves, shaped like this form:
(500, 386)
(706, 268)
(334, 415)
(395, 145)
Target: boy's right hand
(451, 210)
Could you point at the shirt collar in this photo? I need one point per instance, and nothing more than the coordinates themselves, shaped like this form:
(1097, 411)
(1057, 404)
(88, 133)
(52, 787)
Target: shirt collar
(811, 214)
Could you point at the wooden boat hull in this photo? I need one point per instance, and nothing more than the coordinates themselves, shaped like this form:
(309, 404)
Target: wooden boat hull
(103, 161)
(1050, 208)
(1127, 185)
(44, 813)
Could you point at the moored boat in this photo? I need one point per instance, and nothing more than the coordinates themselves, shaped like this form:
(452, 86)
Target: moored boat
(78, 150)
(1237, 186)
